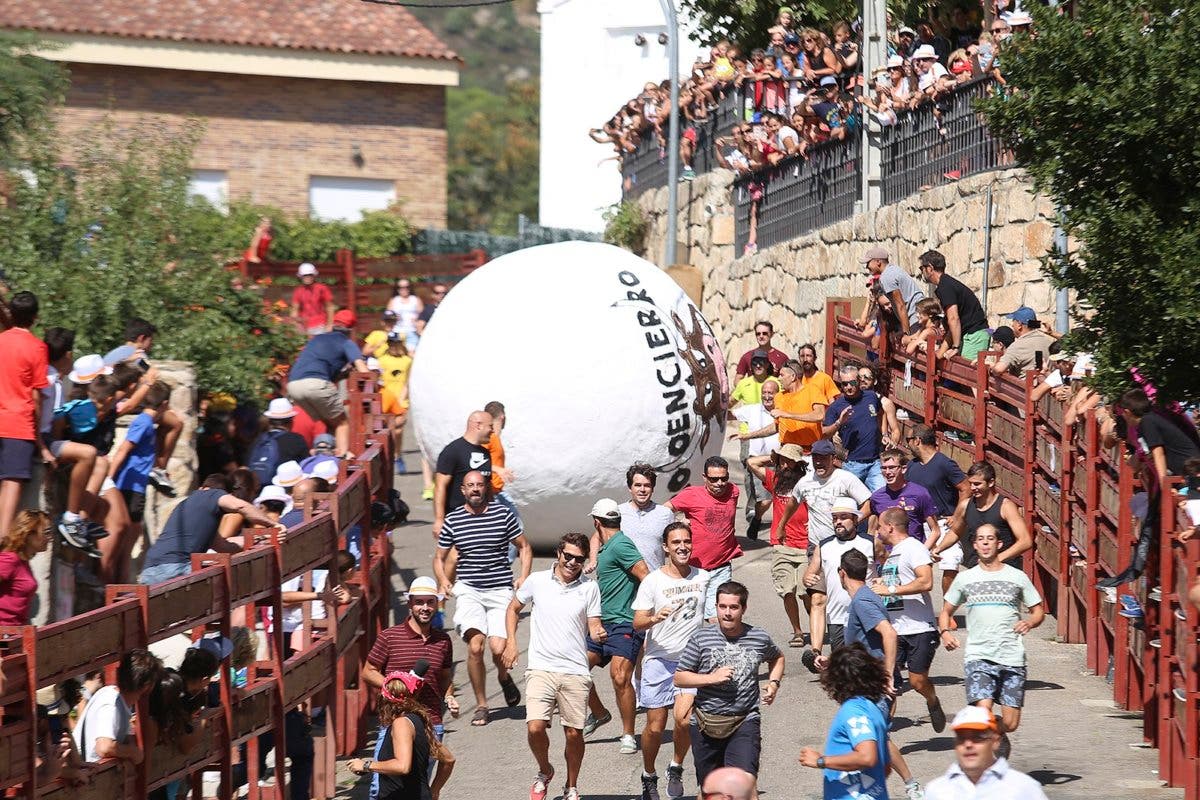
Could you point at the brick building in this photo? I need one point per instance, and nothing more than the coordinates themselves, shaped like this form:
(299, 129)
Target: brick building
(321, 106)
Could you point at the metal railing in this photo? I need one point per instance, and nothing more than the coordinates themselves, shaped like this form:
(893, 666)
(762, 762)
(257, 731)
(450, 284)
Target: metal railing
(799, 194)
(940, 142)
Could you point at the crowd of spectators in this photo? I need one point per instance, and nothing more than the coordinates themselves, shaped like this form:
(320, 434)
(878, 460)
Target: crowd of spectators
(802, 87)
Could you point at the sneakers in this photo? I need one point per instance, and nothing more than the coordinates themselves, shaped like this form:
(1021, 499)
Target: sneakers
(539, 790)
(570, 794)
(1155, 594)
(674, 781)
(629, 746)
(809, 659)
(1109, 592)
(401, 467)
(1132, 612)
(427, 494)
(161, 481)
(650, 787)
(913, 790)
(81, 534)
(754, 527)
(688, 174)
(937, 716)
(1178, 687)
(592, 722)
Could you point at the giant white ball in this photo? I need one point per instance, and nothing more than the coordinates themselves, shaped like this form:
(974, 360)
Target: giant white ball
(601, 361)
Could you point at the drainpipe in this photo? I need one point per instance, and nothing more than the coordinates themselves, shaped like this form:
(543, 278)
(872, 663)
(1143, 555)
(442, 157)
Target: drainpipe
(668, 7)
(1062, 320)
(987, 249)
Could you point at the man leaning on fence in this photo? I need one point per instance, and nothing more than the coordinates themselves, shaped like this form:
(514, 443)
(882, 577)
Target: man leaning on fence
(966, 322)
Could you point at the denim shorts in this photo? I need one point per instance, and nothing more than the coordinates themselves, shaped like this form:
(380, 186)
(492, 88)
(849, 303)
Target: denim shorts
(163, 572)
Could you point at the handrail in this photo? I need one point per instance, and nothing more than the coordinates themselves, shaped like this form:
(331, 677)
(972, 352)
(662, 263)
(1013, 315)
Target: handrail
(136, 616)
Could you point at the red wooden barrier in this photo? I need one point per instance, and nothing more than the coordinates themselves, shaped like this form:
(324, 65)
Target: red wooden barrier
(325, 671)
(1074, 494)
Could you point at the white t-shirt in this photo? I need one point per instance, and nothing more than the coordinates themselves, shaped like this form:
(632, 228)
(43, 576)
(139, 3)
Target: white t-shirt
(785, 133)
(910, 613)
(667, 639)
(644, 527)
(105, 716)
(837, 600)
(927, 78)
(756, 418)
(293, 615)
(559, 621)
(406, 312)
(820, 497)
(52, 398)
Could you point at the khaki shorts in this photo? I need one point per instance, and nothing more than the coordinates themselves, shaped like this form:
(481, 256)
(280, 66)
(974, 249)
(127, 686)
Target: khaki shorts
(546, 690)
(320, 399)
(788, 566)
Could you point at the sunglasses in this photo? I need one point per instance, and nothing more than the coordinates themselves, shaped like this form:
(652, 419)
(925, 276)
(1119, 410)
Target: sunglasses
(717, 478)
(571, 558)
(844, 384)
(762, 333)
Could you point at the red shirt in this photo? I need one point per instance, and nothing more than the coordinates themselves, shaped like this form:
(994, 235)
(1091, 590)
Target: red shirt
(795, 533)
(777, 358)
(306, 426)
(713, 542)
(399, 647)
(22, 370)
(17, 587)
(312, 301)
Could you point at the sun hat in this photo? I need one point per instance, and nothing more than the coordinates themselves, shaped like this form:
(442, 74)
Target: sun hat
(277, 494)
(925, 51)
(844, 505)
(895, 62)
(325, 469)
(288, 474)
(424, 586)
(280, 408)
(792, 452)
(306, 269)
(87, 368)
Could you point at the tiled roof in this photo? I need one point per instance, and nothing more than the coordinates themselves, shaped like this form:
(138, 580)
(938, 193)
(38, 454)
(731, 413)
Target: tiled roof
(335, 26)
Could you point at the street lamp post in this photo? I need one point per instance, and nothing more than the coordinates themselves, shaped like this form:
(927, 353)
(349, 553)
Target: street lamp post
(668, 7)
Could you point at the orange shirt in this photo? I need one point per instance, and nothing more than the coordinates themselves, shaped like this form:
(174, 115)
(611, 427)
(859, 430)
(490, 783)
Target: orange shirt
(824, 385)
(800, 401)
(496, 449)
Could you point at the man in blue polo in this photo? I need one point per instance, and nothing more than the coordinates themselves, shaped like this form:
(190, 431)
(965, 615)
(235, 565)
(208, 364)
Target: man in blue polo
(856, 416)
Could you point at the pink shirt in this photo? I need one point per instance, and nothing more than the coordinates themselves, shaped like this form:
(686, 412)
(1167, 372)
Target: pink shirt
(17, 587)
(713, 542)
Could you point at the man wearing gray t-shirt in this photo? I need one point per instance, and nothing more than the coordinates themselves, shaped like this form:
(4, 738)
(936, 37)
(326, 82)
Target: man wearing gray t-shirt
(721, 663)
(897, 284)
(642, 519)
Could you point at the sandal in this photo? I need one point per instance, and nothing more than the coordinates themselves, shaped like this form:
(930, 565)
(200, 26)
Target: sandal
(480, 718)
(797, 640)
(512, 695)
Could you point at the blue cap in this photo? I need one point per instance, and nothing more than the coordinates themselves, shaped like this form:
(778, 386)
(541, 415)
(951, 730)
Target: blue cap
(822, 447)
(1023, 315)
(757, 118)
(829, 80)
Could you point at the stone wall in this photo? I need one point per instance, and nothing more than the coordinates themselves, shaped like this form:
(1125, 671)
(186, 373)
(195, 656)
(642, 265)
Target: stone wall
(790, 282)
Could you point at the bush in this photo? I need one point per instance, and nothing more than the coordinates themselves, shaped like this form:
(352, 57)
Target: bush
(625, 225)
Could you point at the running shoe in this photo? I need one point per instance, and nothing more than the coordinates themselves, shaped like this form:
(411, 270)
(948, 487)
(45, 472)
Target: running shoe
(674, 781)
(427, 494)
(1155, 594)
(650, 787)
(1178, 687)
(754, 528)
(1132, 613)
(913, 790)
(539, 790)
(161, 481)
(629, 747)
(937, 717)
(570, 794)
(592, 722)
(401, 467)
(1129, 601)
(74, 532)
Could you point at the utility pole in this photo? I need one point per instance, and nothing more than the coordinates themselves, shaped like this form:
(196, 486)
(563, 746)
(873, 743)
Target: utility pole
(874, 56)
(668, 7)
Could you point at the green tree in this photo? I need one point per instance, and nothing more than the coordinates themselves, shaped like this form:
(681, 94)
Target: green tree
(29, 87)
(1117, 151)
(746, 21)
(492, 173)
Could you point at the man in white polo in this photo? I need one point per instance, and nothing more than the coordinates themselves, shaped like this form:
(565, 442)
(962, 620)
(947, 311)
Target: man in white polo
(566, 610)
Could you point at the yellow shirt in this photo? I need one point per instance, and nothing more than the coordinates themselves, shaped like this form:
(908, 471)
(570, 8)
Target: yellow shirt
(394, 372)
(375, 343)
(747, 392)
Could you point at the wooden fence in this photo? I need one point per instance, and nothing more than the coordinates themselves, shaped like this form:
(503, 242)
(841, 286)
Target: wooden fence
(1075, 495)
(326, 671)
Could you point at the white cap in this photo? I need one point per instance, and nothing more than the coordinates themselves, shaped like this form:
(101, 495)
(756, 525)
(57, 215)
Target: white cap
(288, 474)
(326, 469)
(280, 408)
(925, 51)
(606, 509)
(306, 269)
(276, 493)
(895, 61)
(87, 368)
(424, 586)
(844, 505)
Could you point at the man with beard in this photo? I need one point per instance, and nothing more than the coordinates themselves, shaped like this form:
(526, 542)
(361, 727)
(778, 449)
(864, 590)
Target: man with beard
(824, 569)
(817, 491)
(779, 472)
(759, 438)
(397, 649)
(481, 531)
(809, 374)
(668, 608)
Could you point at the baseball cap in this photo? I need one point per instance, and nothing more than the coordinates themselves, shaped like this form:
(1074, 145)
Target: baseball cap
(822, 447)
(280, 408)
(345, 318)
(906, 29)
(606, 509)
(792, 452)
(973, 718)
(925, 51)
(395, 336)
(324, 441)
(389, 314)
(87, 368)
(829, 80)
(760, 355)
(306, 269)
(791, 38)
(424, 586)
(873, 254)
(844, 505)
(1023, 315)
(219, 646)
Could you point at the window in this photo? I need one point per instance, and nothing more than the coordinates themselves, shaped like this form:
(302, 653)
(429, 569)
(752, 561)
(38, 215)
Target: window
(346, 198)
(212, 185)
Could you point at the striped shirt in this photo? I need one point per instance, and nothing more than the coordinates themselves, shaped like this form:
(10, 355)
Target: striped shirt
(482, 541)
(399, 647)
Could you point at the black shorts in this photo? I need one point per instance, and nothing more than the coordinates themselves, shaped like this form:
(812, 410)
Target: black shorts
(836, 635)
(16, 459)
(622, 641)
(136, 503)
(915, 652)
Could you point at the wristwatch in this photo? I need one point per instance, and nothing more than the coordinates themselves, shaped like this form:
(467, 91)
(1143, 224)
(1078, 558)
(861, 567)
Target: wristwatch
(775, 681)
(367, 765)
(820, 762)
(892, 589)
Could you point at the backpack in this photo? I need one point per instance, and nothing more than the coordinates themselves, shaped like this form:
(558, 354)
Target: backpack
(264, 456)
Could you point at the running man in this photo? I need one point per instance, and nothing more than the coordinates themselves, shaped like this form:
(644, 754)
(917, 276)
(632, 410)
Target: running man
(986, 506)
(825, 568)
(992, 593)
(566, 611)
(711, 510)
(669, 608)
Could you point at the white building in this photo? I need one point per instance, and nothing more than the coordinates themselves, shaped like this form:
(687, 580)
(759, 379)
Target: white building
(591, 64)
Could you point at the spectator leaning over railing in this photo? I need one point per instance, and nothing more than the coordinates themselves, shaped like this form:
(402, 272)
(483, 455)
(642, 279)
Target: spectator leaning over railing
(105, 728)
(966, 322)
(1030, 348)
